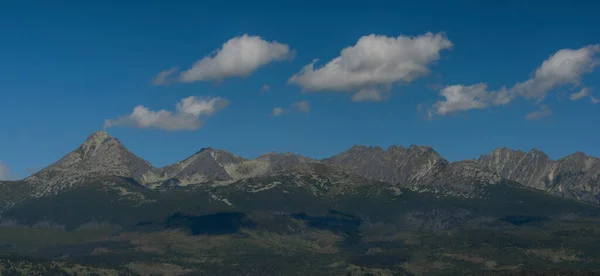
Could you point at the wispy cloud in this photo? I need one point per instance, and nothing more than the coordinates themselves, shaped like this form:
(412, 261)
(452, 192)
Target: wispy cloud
(584, 92)
(164, 77)
(277, 111)
(187, 116)
(539, 114)
(301, 106)
(265, 88)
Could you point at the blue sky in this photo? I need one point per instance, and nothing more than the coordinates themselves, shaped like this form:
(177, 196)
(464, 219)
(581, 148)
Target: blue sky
(67, 67)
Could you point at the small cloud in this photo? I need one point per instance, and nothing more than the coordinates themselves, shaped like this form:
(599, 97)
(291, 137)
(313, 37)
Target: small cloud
(5, 172)
(163, 78)
(370, 95)
(538, 114)
(419, 108)
(302, 106)
(187, 115)
(278, 111)
(265, 88)
(238, 57)
(584, 92)
(460, 97)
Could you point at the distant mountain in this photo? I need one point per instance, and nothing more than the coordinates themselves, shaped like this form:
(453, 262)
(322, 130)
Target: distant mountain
(218, 166)
(100, 155)
(576, 175)
(396, 165)
(208, 163)
(419, 168)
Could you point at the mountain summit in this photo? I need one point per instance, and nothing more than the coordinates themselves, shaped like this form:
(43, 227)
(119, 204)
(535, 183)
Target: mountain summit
(100, 155)
(207, 163)
(576, 175)
(395, 165)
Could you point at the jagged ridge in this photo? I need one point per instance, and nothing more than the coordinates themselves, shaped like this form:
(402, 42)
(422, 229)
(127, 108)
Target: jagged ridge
(576, 175)
(418, 168)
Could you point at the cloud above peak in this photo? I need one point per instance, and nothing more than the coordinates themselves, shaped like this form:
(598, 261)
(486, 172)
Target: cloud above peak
(238, 57)
(566, 66)
(187, 116)
(373, 65)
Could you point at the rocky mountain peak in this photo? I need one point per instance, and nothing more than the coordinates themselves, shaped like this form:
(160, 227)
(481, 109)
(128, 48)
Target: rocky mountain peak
(395, 148)
(395, 165)
(208, 162)
(98, 136)
(96, 141)
(576, 175)
(537, 153)
(100, 155)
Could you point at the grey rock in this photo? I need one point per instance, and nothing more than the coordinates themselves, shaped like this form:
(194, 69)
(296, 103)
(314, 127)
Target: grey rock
(208, 162)
(396, 165)
(418, 168)
(576, 176)
(100, 155)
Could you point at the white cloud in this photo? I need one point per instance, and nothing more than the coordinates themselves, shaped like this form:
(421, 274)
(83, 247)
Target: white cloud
(301, 106)
(374, 65)
(564, 67)
(265, 88)
(238, 57)
(187, 115)
(460, 97)
(5, 173)
(163, 78)
(538, 114)
(594, 100)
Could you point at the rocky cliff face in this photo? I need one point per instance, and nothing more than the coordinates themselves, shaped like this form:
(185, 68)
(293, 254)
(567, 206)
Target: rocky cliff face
(418, 168)
(222, 167)
(576, 175)
(396, 165)
(100, 155)
(208, 163)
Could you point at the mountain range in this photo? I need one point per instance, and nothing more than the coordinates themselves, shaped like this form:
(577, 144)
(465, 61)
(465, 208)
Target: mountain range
(418, 168)
(365, 211)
